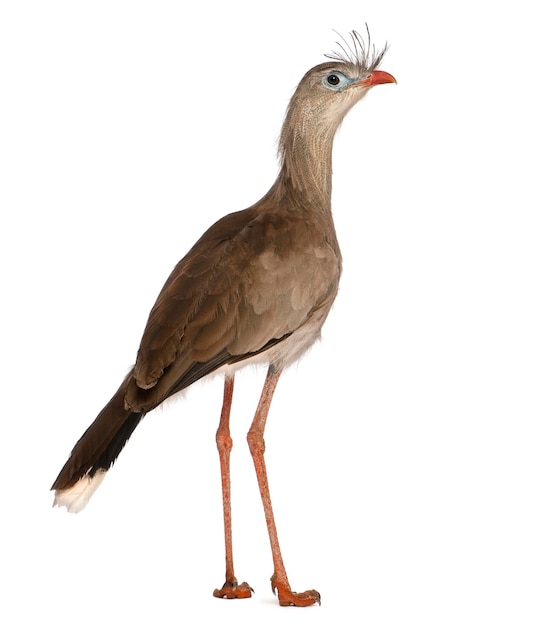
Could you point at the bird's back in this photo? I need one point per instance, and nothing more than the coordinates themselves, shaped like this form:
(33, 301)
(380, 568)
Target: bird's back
(259, 281)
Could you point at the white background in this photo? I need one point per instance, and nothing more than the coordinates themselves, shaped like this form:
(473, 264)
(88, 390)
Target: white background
(400, 449)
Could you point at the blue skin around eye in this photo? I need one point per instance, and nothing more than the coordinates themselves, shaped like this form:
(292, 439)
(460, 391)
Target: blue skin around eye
(343, 81)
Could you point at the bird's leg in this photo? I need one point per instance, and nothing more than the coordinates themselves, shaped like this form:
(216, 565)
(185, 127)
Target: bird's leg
(230, 588)
(256, 442)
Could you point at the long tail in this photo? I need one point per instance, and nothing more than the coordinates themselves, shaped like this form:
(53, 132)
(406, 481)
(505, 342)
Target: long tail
(94, 453)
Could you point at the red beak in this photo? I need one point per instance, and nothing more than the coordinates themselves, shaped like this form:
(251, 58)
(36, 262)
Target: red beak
(377, 78)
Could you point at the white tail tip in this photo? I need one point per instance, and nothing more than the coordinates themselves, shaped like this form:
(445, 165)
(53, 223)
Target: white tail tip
(76, 497)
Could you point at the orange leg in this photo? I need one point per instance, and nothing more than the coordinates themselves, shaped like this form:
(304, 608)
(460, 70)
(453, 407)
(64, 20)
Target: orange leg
(256, 442)
(230, 588)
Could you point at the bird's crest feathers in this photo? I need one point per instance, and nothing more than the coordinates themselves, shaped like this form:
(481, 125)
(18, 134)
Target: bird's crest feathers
(358, 51)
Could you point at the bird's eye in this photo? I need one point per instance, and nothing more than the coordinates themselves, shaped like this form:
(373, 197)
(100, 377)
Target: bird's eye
(333, 79)
(336, 80)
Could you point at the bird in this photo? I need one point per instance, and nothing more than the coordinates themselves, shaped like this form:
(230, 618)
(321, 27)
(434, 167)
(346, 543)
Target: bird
(255, 288)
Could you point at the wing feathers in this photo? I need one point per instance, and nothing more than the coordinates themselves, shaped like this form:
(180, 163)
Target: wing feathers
(252, 279)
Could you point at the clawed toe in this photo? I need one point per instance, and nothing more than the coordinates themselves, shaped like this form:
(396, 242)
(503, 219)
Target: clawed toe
(286, 597)
(231, 590)
(307, 598)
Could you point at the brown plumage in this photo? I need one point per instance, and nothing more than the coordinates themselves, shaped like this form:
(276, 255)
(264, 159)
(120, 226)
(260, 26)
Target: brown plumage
(257, 286)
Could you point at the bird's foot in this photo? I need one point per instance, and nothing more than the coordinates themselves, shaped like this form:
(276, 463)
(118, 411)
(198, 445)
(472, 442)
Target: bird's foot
(286, 597)
(231, 590)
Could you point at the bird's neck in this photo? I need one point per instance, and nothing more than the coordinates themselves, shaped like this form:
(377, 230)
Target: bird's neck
(306, 162)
